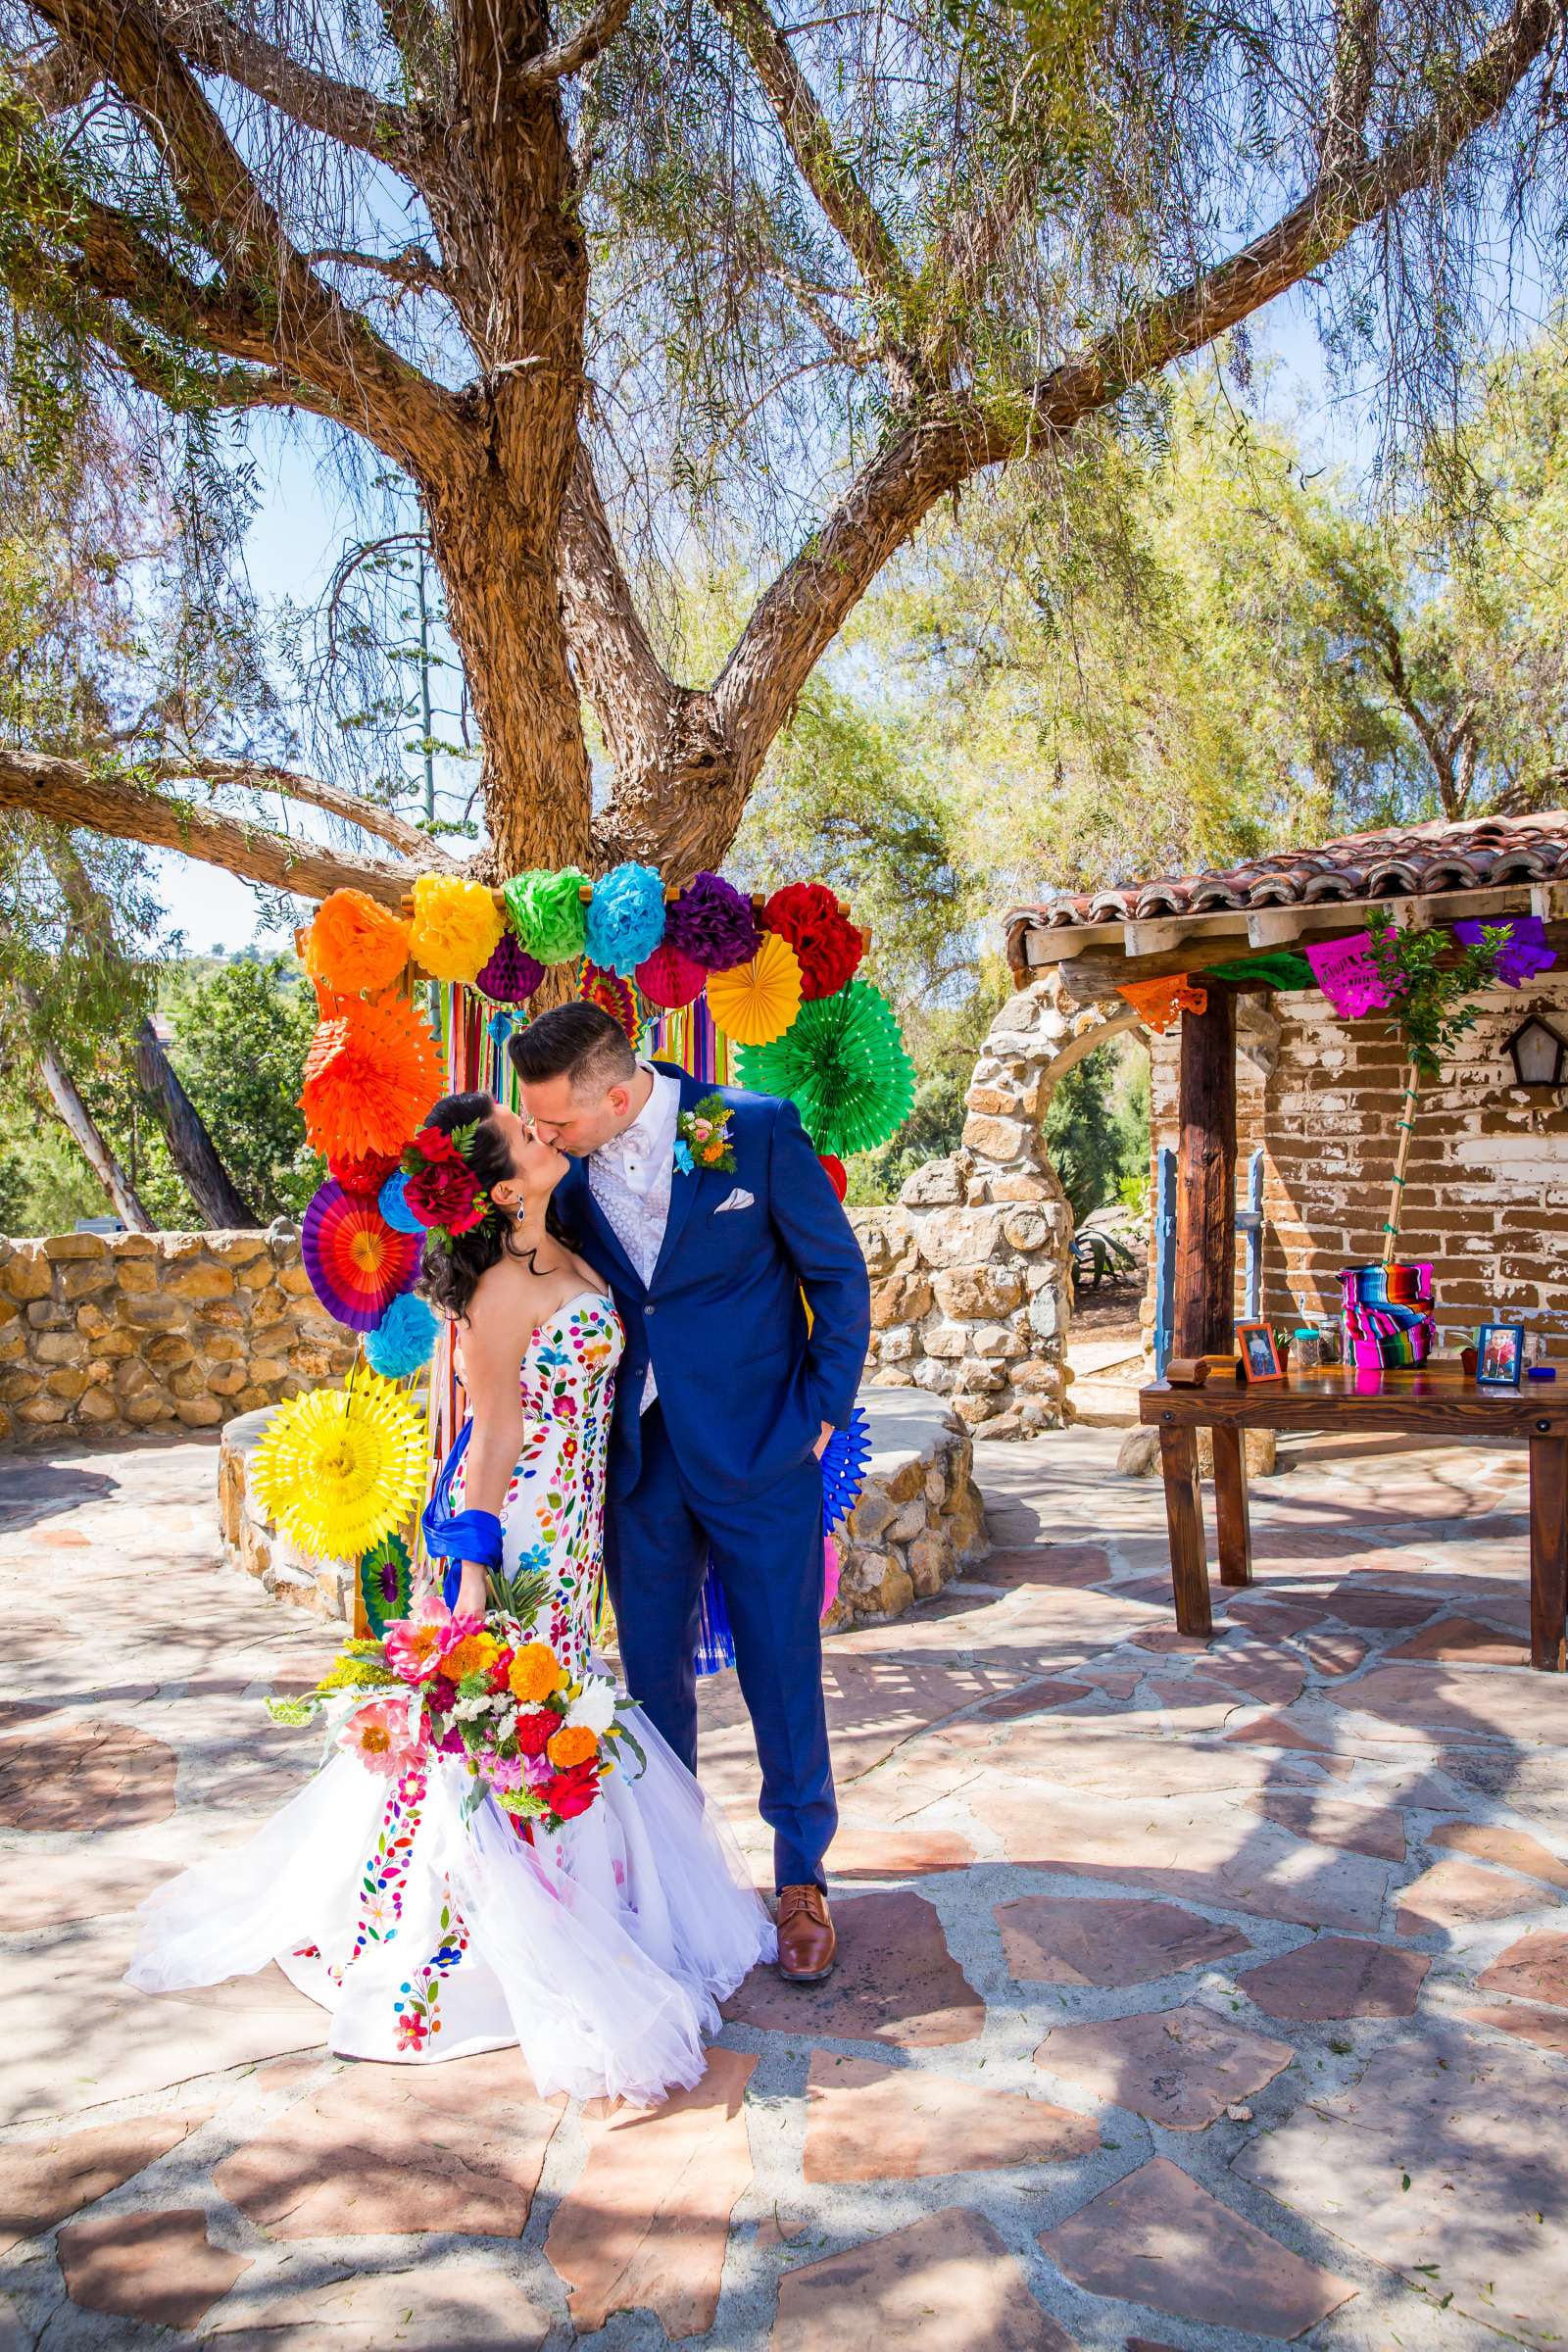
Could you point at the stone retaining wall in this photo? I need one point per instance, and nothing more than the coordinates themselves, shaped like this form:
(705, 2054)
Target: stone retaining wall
(917, 1524)
(105, 1334)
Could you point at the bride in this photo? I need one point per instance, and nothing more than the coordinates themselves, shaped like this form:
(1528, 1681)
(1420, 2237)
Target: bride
(430, 1928)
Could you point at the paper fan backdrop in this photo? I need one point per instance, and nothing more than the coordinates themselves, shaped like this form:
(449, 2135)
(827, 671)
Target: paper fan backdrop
(846, 1457)
(358, 1264)
(386, 1584)
(754, 1003)
(611, 995)
(844, 1067)
(838, 1175)
(341, 1468)
(370, 1075)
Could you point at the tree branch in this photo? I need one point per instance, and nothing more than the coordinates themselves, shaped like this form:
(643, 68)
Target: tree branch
(70, 793)
(412, 267)
(595, 33)
(1342, 142)
(809, 136)
(308, 326)
(264, 775)
(802, 612)
(208, 36)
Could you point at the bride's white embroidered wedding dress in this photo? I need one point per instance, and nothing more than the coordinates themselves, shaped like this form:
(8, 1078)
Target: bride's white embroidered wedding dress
(602, 1951)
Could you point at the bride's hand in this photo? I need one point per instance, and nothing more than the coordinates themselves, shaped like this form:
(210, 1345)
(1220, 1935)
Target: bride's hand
(471, 1594)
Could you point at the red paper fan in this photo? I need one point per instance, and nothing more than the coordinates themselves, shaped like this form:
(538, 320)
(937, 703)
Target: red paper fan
(358, 1264)
(611, 995)
(837, 1174)
(669, 979)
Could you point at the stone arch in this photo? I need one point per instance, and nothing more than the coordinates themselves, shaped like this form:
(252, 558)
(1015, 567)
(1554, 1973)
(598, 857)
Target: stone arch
(970, 1291)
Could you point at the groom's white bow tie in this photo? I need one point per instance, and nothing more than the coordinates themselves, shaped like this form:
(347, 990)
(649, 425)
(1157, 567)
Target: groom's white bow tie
(632, 1154)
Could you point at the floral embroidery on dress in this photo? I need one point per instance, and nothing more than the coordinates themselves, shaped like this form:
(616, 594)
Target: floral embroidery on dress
(416, 2012)
(387, 1868)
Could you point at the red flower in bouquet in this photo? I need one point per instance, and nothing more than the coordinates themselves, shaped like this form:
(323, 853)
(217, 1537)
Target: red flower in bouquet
(572, 1793)
(535, 1732)
(434, 1144)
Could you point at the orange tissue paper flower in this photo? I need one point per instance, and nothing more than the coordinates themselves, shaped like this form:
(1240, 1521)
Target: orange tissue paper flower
(456, 924)
(574, 1744)
(354, 943)
(370, 1075)
(534, 1672)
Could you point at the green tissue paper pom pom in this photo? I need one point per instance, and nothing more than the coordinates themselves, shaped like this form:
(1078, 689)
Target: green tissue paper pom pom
(548, 913)
(842, 1064)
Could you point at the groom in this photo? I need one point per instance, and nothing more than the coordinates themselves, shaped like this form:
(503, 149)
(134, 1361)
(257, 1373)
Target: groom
(723, 1404)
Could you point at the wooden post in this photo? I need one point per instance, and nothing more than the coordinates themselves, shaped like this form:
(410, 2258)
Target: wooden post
(1205, 1180)
(1402, 1163)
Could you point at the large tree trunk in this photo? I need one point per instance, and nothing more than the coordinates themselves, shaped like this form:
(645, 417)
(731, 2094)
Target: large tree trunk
(195, 1155)
(82, 1128)
(497, 566)
(506, 210)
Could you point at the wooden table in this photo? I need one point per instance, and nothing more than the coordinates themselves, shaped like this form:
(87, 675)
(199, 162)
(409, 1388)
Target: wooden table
(1434, 1400)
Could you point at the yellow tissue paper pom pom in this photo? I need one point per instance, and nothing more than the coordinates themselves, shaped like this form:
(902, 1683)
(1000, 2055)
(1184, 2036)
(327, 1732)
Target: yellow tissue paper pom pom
(455, 926)
(755, 1003)
(340, 1468)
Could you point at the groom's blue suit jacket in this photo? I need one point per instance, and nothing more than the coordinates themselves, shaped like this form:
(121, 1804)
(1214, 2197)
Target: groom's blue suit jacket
(744, 1389)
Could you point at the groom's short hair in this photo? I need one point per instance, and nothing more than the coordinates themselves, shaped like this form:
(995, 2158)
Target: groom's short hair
(580, 1042)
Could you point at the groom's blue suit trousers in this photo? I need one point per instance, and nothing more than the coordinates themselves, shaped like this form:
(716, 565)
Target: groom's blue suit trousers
(767, 1551)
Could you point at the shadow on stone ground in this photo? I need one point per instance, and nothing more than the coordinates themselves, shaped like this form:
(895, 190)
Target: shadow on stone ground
(1197, 1997)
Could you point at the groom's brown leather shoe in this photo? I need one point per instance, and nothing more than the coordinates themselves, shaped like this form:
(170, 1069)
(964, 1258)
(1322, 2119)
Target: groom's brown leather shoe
(807, 1942)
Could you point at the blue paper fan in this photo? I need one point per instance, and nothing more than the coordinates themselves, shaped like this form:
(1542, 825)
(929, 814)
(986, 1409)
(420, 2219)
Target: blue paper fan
(845, 1458)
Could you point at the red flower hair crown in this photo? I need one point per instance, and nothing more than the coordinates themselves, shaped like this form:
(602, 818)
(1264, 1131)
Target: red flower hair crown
(440, 1188)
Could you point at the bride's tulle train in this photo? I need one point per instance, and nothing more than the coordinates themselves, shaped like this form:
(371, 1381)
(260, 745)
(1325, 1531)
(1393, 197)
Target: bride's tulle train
(603, 1952)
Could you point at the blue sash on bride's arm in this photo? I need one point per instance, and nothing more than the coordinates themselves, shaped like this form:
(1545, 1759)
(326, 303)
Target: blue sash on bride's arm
(457, 1535)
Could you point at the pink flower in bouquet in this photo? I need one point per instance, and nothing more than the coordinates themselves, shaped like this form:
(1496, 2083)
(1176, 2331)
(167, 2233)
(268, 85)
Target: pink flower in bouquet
(378, 1735)
(504, 1772)
(413, 1649)
(450, 1742)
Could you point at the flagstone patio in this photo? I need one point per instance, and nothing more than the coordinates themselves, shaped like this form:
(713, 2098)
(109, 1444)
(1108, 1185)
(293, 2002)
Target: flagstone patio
(1189, 1998)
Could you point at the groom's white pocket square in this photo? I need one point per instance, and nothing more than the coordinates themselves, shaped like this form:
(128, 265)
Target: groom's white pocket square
(740, 1198)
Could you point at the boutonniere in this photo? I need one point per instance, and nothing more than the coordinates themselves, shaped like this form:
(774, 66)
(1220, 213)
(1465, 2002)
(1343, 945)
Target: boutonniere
(702, 1137)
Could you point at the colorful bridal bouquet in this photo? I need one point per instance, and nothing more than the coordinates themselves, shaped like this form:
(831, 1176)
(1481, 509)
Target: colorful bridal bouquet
(485, 1688)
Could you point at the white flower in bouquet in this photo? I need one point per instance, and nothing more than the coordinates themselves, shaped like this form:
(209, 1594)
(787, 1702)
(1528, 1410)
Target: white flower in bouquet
(594, 1707)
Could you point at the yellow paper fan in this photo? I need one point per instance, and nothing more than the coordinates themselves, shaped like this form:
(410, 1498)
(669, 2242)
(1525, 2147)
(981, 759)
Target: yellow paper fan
(755, 1003)
(340, 1468)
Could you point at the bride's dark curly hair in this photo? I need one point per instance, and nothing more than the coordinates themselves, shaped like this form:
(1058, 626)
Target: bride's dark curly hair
(450, 1273)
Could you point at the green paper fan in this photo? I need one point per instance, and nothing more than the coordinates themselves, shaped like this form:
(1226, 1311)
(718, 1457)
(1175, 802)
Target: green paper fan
(842, 1064)
(386, 1584)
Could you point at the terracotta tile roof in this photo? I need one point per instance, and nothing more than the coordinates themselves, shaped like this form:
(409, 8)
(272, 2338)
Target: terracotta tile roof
(1412, 862)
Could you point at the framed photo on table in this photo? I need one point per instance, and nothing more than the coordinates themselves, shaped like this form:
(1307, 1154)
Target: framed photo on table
(1499, 1355)
(1261, 1356)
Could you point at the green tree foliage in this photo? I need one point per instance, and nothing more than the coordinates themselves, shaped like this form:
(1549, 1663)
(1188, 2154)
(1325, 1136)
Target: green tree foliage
(239, 1038)
(1096, 1128)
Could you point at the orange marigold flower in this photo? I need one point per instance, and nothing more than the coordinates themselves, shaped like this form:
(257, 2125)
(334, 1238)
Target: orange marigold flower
(575, 1743)
(475, 1653)
(534, 1672)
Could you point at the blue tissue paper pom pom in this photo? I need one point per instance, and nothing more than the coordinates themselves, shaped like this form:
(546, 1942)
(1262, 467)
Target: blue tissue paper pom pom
(625, 919)
(396, 1210)
(845, 1458)
(404, 1339)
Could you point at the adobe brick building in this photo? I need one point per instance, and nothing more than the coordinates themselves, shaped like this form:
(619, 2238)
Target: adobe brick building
(1487, 1193)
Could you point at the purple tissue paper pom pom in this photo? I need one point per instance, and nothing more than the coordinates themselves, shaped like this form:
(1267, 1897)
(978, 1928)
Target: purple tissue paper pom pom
(510, 975)
(713, 923)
